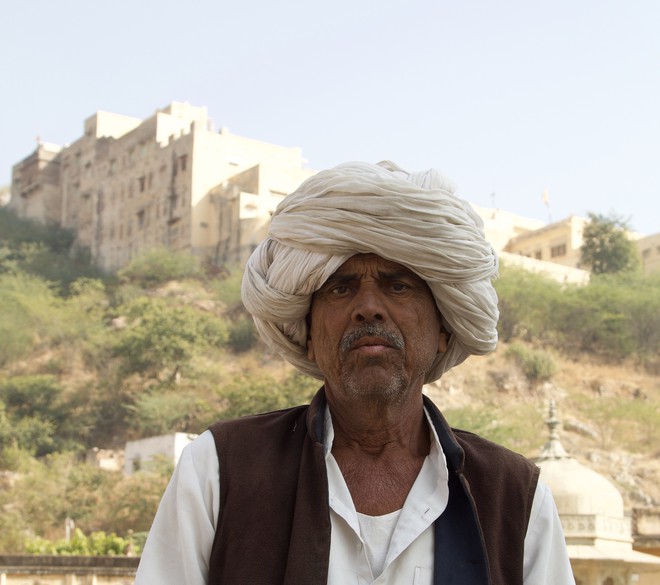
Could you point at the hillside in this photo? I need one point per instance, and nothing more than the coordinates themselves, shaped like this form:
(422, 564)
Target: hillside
(610, 414)
(89, 361)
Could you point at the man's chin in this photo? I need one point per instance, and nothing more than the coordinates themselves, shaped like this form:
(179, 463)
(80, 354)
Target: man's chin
(375, 385)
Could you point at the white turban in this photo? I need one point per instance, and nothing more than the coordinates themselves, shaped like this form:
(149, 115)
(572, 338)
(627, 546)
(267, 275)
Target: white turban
(414, 219)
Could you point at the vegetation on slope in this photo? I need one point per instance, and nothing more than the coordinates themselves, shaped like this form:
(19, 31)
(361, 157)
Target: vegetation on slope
(88, 361)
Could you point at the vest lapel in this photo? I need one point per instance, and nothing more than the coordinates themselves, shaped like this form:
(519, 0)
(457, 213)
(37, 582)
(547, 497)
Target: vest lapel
(309, 545)
(460, 551)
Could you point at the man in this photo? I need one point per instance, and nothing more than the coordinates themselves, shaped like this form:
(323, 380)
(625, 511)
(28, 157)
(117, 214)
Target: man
(375, 281)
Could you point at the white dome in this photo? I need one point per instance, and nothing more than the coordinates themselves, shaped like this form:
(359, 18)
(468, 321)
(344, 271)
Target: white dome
(579, 490)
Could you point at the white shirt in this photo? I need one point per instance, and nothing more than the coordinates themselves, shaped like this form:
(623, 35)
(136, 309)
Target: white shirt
(399, 550)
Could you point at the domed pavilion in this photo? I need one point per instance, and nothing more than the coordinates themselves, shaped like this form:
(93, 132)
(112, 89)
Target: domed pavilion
(598, 533)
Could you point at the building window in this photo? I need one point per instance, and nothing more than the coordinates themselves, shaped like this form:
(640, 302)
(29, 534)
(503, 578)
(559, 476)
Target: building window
(559, 250)
(183, 162)
(538, 255)
(140, 219)
(142, 182)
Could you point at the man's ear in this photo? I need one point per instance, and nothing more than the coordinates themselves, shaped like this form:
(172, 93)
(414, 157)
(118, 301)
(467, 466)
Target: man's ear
(310, 351)
(442, 346)
(311, 356)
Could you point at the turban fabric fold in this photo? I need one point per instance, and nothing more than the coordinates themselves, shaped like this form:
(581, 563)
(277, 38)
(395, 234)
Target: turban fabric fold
(414, 219)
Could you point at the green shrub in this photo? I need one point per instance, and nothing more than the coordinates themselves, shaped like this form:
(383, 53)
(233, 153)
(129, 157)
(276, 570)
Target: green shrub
(616, 315)
(36, 413)
(537, 365)
(242, 334)
(227, 288)
(161, 337)
(29, 315)
(526, 302)
(96, 544)
(18, 231)
(158, 266)
(257, 393)
(160, 412)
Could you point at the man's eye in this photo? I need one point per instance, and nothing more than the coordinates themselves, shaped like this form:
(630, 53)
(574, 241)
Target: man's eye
(399, 286)
(340, 289)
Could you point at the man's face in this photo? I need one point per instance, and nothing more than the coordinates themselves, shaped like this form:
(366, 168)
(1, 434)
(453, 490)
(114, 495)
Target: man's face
(375, 330)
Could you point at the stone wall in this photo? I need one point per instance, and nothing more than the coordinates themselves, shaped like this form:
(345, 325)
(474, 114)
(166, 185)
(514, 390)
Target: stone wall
(67, 570)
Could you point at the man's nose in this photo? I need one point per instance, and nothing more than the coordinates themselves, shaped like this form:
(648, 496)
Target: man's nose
(368, 306)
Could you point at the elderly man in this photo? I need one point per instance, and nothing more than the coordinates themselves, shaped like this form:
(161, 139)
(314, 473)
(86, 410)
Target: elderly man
(375, 281)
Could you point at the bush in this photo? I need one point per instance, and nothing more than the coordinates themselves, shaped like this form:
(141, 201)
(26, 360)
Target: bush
(537, 365)
(30, 313)
(158, 266)
(37, 416)
(18, 231)
(227, 289)
(242, 334)
(161, 412)
(96, 544)
(616, 316)
(257, 393)
(162, 337)
(526, 302)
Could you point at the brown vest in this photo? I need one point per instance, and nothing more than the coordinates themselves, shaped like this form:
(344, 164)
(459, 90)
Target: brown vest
(274, 521)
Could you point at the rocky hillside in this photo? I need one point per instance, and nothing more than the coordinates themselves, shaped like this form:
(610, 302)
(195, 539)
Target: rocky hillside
(610, 414)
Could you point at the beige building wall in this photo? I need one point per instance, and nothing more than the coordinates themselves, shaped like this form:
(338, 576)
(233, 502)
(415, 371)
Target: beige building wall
(559, 242)
(237, 183)
(129, 185)
(35, 185)
(558, 272)
(649, 251)
(502, 226)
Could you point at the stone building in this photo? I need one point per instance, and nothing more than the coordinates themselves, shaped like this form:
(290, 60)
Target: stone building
(129, 185)
(558, 242)
(141, 453)
(503, 229)
(649, 250)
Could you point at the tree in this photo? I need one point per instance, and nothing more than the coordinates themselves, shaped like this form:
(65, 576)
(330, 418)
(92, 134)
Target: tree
(606, 247)
(163, 337)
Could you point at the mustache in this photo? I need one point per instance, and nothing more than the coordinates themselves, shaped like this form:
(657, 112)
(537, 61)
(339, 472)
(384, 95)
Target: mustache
(370, 330)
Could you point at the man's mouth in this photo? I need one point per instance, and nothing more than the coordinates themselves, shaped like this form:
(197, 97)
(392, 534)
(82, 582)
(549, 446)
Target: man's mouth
(371, 344)
(370, 339)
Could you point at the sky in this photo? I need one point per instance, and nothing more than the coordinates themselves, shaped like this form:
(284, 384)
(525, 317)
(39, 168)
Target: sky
(509, 98)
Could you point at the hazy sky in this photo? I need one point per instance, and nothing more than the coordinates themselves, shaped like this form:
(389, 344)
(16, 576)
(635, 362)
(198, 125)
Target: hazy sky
(507, 97)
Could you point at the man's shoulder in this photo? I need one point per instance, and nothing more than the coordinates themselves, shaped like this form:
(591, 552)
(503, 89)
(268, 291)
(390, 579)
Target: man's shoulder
(284, 420)
(492, 456)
